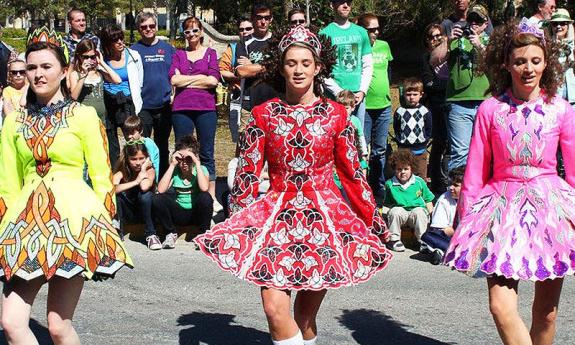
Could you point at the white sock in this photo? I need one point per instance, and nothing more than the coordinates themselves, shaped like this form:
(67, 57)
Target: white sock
(310, 341)
(295, 340)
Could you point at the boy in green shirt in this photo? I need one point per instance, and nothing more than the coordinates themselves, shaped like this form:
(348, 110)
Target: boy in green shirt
(408, 198)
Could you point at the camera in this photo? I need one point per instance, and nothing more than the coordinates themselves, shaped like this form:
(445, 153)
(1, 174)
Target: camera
(467, 31)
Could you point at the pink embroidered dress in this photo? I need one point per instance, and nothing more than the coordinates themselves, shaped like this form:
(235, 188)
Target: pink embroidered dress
(517, 214)
(301, 234)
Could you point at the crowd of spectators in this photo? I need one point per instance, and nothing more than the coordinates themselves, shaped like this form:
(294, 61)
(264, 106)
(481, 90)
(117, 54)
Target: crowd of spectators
(151, 87)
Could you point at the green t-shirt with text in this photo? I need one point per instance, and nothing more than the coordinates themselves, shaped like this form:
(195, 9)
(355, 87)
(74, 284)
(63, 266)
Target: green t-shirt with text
(379, 96)
(351, 43)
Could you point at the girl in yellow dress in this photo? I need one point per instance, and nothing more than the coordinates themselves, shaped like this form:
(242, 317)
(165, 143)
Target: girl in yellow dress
(53, 228)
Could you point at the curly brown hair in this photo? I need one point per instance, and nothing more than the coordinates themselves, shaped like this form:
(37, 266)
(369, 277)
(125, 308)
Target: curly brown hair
(402, 158)
(502, 42)
(273, 61)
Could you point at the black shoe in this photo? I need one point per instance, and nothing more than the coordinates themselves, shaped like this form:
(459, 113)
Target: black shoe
(436, 257)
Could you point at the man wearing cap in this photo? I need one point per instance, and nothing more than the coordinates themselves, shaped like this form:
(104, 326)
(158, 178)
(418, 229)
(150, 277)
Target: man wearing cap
(459, 16)
(562, 32)
(354, 68)
(543, 11)
(465, 90)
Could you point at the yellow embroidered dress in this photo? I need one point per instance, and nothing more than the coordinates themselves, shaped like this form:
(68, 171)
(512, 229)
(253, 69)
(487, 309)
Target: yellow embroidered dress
(51, 221)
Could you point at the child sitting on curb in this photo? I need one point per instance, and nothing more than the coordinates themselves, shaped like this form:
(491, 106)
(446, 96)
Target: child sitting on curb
(408, 198)
(444, 219)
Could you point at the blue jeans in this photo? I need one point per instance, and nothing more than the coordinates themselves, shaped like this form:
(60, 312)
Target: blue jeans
(460, 127)
(205, 123)
(135, 206)
(376, 128)
(359, 111)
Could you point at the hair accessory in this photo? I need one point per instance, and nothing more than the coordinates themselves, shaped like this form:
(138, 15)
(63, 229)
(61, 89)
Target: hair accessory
(43, 34)
(528, 27)
(300, 34)
(135, 142)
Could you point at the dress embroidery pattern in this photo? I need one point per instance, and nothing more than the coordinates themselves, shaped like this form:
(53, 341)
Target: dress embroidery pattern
(301, 235)
(40, 129)
(517, 214)
(53, 224)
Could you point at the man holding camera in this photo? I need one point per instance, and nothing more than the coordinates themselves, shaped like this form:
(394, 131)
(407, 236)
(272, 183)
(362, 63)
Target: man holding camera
(465, 90)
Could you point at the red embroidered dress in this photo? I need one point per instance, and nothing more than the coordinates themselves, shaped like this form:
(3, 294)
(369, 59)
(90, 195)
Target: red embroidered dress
(301, 234)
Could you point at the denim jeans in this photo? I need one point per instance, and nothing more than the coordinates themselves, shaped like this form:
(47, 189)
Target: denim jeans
(376, 128)
(359, 111)
(160, 122)
(460, 127)
(205, 123)
(135, 206)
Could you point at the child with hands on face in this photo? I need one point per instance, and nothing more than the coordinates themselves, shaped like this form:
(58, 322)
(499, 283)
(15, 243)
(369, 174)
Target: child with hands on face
(183, 198)
(134, 181)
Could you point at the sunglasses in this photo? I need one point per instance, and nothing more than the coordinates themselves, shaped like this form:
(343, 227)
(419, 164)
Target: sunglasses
(297, 22)
(434, 37)
(249, 28)
(147, 27)
(192, 31)
(91, 57)
(341, 2)
(19, 71)
(559, 23)
(372, 30)
(266, 18)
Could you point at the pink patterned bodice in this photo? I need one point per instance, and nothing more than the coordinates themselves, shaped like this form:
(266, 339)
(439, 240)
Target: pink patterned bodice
(520, 139)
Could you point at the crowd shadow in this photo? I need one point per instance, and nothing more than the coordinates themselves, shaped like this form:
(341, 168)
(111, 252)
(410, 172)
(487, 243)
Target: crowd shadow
(41, 333)
(370, 327)
(218, 329)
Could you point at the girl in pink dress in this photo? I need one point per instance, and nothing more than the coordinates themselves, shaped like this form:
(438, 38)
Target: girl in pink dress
(516, 214)
(301, 235)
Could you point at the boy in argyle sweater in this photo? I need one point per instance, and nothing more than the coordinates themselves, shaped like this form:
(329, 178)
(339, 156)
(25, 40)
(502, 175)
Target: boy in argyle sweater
(412, 125)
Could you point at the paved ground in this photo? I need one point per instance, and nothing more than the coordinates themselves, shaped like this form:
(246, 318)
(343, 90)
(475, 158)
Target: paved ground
(181, 297)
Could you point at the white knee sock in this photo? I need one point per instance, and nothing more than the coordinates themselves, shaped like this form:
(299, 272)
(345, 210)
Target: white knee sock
(310, 341)
(295, 340)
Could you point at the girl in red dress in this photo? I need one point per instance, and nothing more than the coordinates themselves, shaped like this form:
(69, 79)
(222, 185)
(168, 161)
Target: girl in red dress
(301, 235)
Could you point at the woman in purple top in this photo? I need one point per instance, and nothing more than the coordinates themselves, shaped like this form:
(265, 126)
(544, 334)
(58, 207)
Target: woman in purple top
(195, 75)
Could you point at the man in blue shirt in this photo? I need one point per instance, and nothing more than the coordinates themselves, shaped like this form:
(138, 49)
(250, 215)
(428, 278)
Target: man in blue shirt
(156, 111)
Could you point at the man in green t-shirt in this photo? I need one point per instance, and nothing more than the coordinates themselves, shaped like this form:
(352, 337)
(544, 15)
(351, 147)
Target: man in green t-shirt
(353, 69)
(465, 89)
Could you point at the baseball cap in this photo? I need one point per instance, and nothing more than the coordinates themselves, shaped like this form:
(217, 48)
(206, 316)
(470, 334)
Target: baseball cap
(478, 13)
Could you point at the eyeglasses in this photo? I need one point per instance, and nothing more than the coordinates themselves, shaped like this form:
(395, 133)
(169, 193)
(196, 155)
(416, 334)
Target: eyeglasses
(19, 71)
(372, 30)
(434, 37)
(192, 31)
(297, 22)
(266, 18)
(147, 27)
(559, 23)
(341, 2)
(249, 28)
(91, 57)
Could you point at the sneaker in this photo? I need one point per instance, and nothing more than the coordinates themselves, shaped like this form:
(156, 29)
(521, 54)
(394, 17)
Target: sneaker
(396, 246)
(153, 242)
(424, 248)
(170, 241)
(436, 257)
(217, 207)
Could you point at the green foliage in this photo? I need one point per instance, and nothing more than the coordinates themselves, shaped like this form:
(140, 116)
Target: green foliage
(17, 43)
(8, 33)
